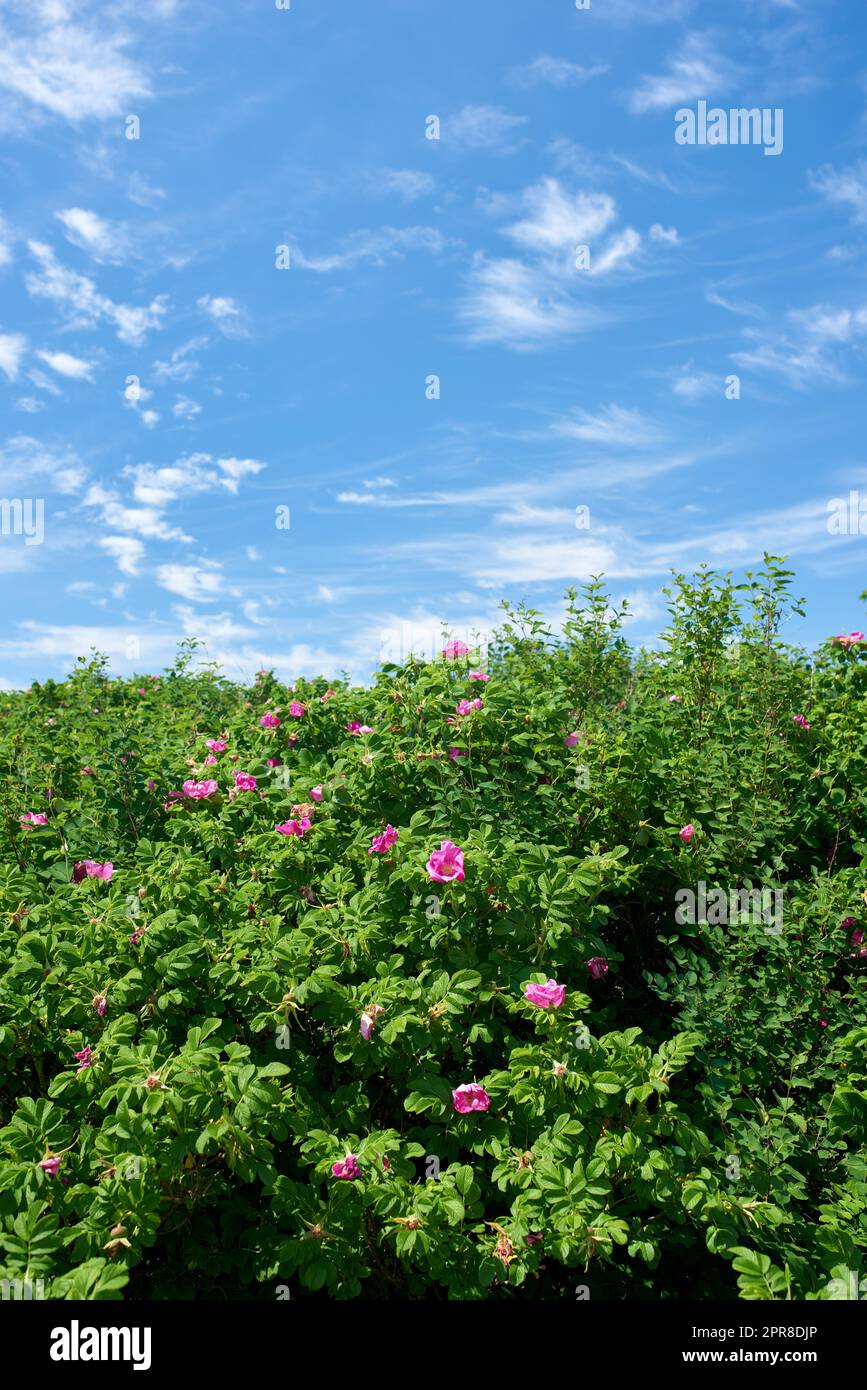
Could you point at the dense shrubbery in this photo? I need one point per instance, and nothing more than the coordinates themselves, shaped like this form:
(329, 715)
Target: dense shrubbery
(228, 1061)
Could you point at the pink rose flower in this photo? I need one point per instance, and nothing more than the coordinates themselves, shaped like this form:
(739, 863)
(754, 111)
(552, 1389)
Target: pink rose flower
(355, 728)
(851, 641)
(88, 771)
(99, 1002)
(597, 967)
(454, 649)
(457, 753)
(297, 710)
(210, 761)
(368, 1019)
(381, 844)
(446, 864)
(34, 818)
(316, 793)
(800, 719)
(215, 745)
(294, 827)
(274, 762)
(245, 782)
(51, 1166)
(686, 833)
(88, 868)
(197, 791)
(478, 676)
(571, 739)
(83, 1058)
(470, 1097)
(346, 1167)
(464, 706)
(269, 721)
(547, 996)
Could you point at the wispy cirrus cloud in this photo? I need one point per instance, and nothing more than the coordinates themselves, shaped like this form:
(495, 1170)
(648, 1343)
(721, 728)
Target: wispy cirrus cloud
(484, 128)
(555, 72)
(845, 187)
(81, 304)
(697, 69)
(102, 240)
(810, 348)
(377, 248)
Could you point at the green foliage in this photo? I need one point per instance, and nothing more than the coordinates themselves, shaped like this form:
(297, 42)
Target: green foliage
(691, 1122)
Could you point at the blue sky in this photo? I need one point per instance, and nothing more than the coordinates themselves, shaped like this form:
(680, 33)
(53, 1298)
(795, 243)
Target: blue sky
(168, 391)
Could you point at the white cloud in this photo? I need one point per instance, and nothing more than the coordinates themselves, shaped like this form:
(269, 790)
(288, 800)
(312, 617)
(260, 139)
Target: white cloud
(54, 65)
(483, 128)
(521, 306)
(24, 458)
(377, 247)
(409, 184)
(847, 187)
(668, 236)
(199, 583)
(143, 193)
(613, 426)
(225, 313)
(193, 473)
(185, 409)
(556, 72)
(91, 233)
(147, 522)
(12, 348)
(181, 365)
(126, 551)
(78, 299)
(807, 351)
(693, 385)
(66, 365)
(555, 220)
(698, 69)
(618, 252)
(5, 242)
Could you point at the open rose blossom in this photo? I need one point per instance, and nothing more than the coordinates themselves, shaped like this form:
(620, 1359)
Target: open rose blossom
(293, 827)
(244, 782)
(355, 728)
(470, 1097)
(88, 868)
(464, 706)
(547, 996)
(297, 710)
(34, 818)
(446, 864)
(686, 833)
(346, 1167)
(215, 745)
(572, 739)
(197, 791)
(597, 967)
(51, 1166)
(453, 649)
(801, 720)
(851, 641)
(381, 844)
(270, 721)
(478, 676)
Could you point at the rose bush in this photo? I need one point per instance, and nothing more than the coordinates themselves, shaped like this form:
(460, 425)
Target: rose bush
(368, 1011)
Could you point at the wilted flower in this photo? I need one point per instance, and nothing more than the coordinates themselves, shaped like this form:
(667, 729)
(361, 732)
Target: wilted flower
(245, 782)
(51, 1166)
(547, 996)
(87, 771)
(99, 1002)
(446, 864)
(381, 844)
(533, 1237)
(83, 1058)
(470, 1096)
(686, 833)
(346, 1167)
(570, 740)
(457, 753)
(329, 695)
(597, 967)
(801, 720)
(197, 791)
